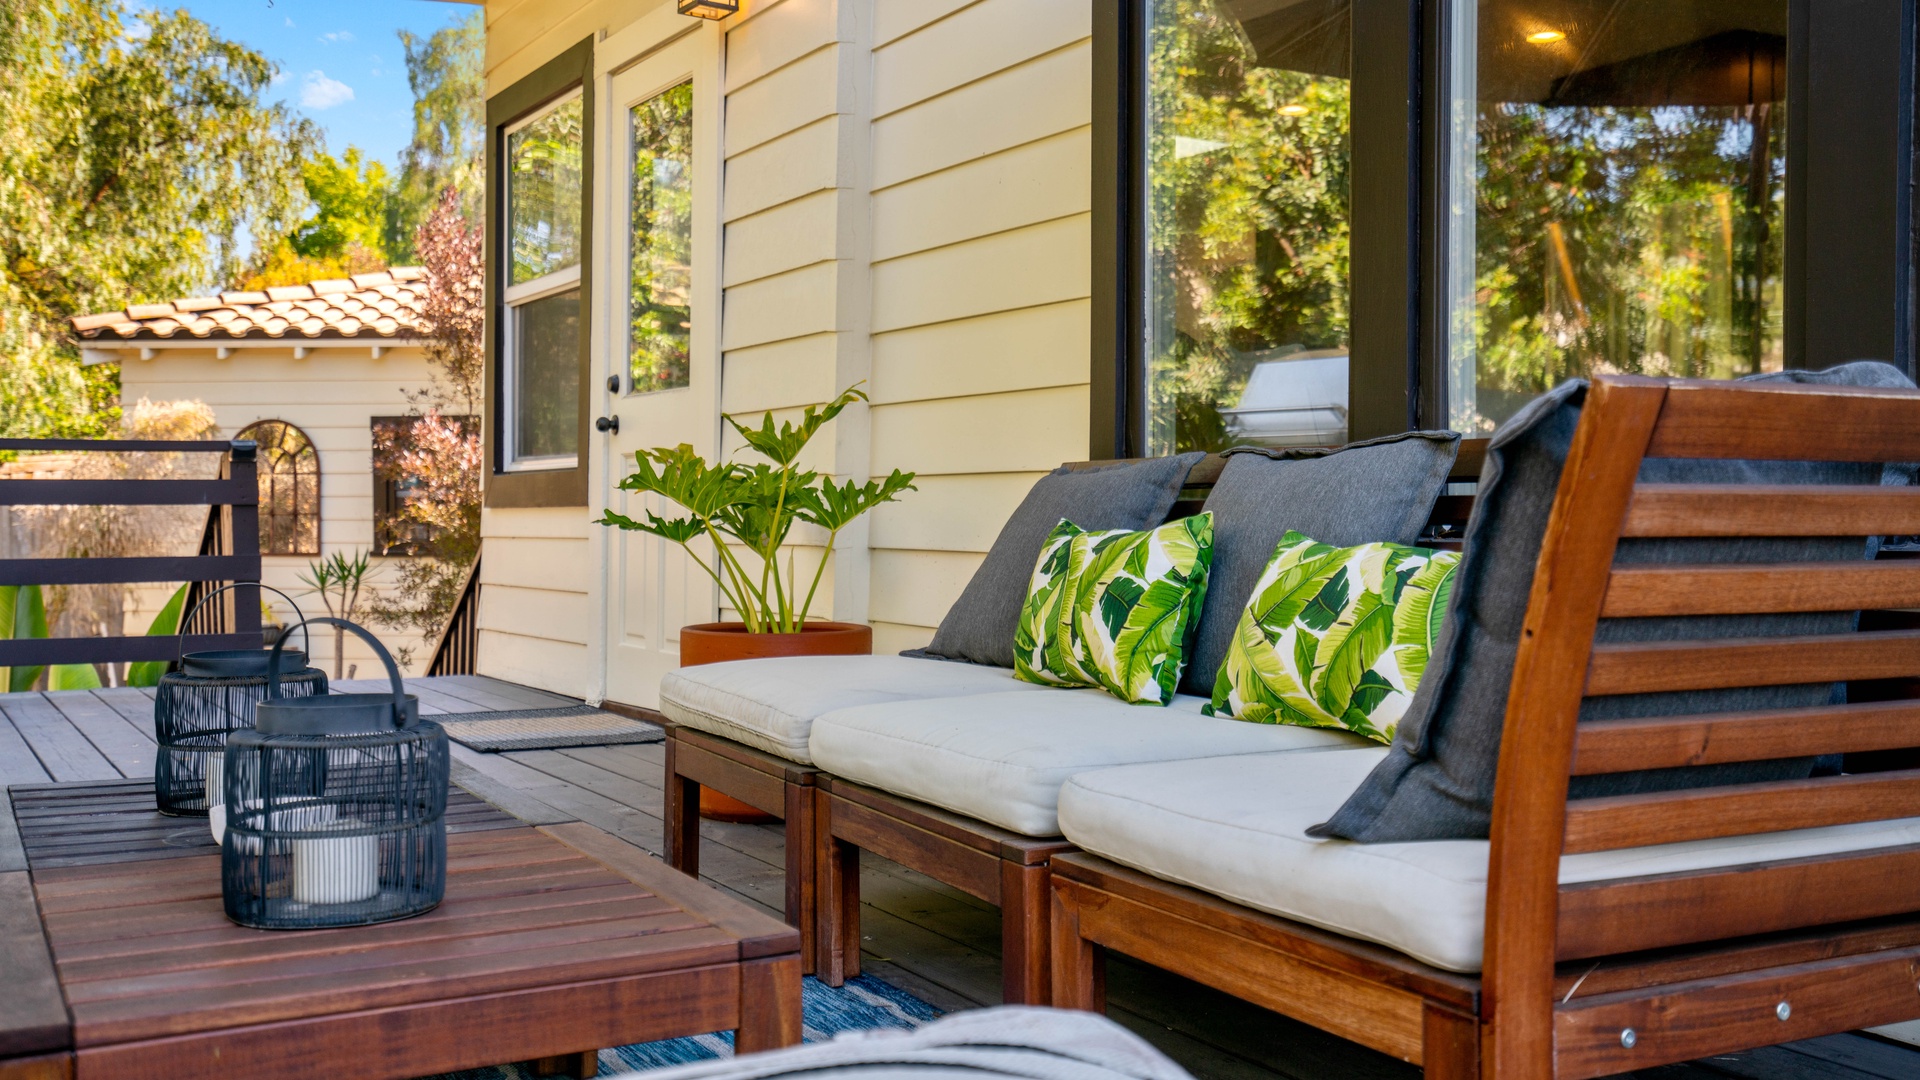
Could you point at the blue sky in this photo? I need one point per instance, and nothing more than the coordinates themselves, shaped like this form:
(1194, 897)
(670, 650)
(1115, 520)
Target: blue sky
(341, 64)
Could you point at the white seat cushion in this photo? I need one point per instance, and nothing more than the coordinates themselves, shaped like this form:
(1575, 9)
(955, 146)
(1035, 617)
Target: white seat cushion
(771, 704)
(1001, 758)
(1236, 827)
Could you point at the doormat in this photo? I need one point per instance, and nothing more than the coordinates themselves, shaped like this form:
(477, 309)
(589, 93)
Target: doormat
(863, 1004)
(545, 729)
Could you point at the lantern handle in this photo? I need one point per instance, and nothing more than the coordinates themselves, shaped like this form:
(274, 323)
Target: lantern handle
(181, 638)
(402, 716)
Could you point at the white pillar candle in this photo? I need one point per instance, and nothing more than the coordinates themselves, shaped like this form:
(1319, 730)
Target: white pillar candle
(336, 870)
(216, 770)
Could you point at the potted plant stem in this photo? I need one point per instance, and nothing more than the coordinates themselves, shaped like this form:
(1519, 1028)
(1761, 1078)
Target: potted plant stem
(738, 518)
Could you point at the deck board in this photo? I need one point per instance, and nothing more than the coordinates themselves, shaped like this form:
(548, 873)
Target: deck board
(927, 938)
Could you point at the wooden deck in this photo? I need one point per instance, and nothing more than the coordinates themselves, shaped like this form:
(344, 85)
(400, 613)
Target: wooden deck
(920, 935)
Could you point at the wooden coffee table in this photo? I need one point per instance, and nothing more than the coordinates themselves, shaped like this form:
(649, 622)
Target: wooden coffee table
(553, 941)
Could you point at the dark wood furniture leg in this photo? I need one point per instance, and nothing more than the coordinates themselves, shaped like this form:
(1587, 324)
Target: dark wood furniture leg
(1000, 867)
(581, 1066)
(682, 814)
(769, 1004)
(695, 759)
(837, 894)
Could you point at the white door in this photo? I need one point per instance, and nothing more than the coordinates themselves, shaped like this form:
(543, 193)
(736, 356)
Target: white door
(657, 350)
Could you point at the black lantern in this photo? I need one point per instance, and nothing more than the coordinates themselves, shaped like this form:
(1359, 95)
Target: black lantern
(709, 9)
(335, 808)
(210, 695)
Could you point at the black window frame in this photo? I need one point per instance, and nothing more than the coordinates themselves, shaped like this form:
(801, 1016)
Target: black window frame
(1853, 295)
(269, 478)
(568, 73)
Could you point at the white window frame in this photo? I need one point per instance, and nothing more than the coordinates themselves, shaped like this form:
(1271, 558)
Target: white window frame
(514, 296)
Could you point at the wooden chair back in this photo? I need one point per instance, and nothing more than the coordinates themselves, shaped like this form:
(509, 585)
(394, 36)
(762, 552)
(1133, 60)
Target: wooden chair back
(1750, 955)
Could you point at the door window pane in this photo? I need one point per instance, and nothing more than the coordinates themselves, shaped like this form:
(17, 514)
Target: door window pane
(661, 209)
(543, 193)
(1618, 194)
(546, 377)
(1247, 173)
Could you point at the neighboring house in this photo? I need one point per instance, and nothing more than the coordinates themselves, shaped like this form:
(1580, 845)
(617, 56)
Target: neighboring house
(1046, 230)
(307, 371)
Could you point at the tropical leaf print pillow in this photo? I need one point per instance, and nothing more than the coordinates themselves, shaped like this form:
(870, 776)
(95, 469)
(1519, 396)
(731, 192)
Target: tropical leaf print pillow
(1115, 609)
(1335, 637)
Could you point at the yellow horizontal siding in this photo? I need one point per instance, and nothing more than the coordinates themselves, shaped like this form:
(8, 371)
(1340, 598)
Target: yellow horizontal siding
(1022, 268)
(1041, 97)
(1031, 431)
(970, 44)
(1026, 349)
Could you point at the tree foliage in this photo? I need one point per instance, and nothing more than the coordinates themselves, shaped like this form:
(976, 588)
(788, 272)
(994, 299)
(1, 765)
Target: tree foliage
(447, 72)
(136, 155)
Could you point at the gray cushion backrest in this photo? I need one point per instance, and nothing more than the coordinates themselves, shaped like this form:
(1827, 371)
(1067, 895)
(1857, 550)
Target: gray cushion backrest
(1125, 495)
(1381, 489)
(1437, 783)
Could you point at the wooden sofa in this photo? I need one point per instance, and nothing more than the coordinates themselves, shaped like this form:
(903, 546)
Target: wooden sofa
(1596, 977)
(828, 820)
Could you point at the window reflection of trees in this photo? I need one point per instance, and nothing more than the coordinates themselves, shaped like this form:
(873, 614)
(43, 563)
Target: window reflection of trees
(288, 467)
(661, 228)
(543, 193)
(1248, 196)
(1631, 196)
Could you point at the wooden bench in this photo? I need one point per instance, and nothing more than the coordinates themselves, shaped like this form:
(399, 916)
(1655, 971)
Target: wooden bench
(1620, 974)
(828, 821)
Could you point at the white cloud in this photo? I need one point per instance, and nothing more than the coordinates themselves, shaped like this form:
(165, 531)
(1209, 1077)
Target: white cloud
(279, 78)
(319, 92)
(289, 19)
(337, 36)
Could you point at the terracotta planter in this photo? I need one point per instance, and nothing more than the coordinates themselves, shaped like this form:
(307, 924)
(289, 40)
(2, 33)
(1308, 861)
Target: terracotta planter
(713, 643)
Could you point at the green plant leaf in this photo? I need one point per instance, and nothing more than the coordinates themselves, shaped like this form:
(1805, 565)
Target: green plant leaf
(783, 445)
(73, 677)
(833, 507)
(29, 621)
(166, 622)
(678, 530)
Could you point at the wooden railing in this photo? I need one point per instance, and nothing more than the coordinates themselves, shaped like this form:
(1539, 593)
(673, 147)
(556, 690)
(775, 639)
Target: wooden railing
(230, 552)
(459, 644)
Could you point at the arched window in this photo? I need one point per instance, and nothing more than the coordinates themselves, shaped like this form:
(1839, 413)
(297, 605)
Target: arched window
(289, 488)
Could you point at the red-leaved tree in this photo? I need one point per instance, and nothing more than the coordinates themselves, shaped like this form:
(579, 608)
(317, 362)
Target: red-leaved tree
(436, 459)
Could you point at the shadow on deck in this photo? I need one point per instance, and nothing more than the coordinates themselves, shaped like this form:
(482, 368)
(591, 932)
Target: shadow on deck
(920, 935)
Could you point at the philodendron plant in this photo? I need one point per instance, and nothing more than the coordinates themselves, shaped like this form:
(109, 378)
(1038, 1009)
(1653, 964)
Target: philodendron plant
(754, 506)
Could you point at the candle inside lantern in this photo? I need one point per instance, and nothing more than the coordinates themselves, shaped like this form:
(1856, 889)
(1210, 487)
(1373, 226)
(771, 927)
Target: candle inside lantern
(216, 770)
(336, 870)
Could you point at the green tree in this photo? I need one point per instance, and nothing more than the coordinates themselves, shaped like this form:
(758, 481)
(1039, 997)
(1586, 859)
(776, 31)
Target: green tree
(350, 199)
(135, 152)
(447, 72)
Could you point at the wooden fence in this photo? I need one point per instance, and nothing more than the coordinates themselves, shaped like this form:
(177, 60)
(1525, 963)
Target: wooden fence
(230, 552)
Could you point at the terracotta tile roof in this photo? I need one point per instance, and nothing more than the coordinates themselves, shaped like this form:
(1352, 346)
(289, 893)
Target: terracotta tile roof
(387, 304)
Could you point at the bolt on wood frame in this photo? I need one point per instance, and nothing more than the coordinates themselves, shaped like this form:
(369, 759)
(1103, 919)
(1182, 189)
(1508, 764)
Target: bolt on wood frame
(1601, 977)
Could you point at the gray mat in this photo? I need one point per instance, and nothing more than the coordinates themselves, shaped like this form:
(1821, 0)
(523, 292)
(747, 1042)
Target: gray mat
(544, 729)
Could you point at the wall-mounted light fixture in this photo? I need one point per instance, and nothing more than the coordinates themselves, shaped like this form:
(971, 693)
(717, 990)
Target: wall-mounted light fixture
(709, 9)
(1545, 37)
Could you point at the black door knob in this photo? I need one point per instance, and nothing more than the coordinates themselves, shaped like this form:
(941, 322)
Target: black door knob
(607, 423)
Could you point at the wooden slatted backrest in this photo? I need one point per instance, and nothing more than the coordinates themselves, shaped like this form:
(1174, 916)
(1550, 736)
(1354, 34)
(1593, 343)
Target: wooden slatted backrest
(1533, 922)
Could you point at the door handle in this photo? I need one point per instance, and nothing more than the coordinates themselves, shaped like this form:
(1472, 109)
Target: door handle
(608, 424)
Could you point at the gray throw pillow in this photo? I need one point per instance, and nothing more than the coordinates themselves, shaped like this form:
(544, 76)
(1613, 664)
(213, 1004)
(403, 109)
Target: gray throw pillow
(1130, 495)
(1437, 781)
(1361, 493)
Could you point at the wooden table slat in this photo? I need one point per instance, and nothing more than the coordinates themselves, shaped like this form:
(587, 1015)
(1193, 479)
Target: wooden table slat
(137, 953)
(33, 1017)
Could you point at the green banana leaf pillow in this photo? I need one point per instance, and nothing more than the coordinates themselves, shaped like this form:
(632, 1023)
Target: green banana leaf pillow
(1335, 637)
(1115, 609)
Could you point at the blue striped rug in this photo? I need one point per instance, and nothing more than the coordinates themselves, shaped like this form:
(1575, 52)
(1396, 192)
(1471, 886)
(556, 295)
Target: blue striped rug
(862, 1004)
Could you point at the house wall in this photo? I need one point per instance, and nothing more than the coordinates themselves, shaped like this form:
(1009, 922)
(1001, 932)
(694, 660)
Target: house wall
(332, 394)
(906, 203)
